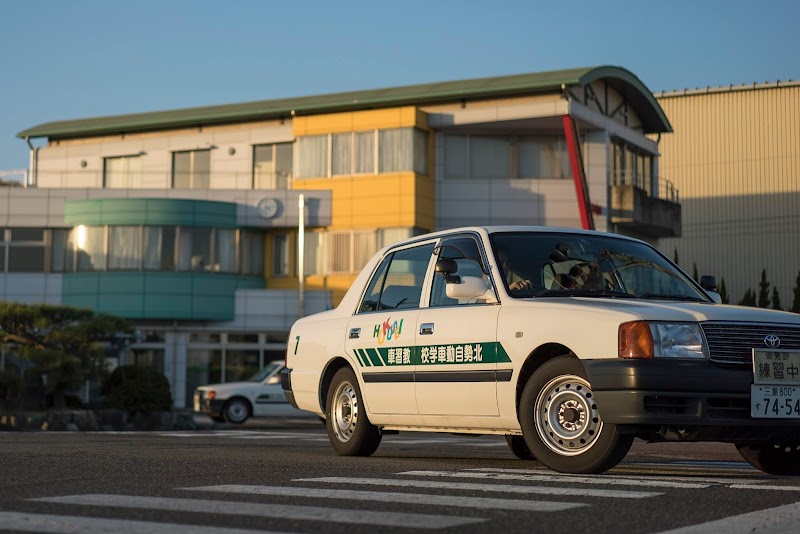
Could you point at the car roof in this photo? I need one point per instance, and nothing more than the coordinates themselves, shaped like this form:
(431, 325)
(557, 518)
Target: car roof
(496, 229)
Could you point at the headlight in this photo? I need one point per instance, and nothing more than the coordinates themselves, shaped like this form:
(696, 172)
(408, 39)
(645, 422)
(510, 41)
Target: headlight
(645, 340)
(678, 340)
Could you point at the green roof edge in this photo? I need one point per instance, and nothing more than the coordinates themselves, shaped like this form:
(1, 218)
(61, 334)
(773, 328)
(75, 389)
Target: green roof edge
(348, 101)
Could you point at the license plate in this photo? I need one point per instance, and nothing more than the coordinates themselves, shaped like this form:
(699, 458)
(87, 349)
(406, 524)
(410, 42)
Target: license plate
(777, 401)
(776, 366)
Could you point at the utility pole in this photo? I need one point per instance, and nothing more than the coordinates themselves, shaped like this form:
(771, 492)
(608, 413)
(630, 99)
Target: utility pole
(301, 246)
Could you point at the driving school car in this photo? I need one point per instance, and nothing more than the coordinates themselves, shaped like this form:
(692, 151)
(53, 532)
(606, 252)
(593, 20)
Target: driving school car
(235, 402)
(602, 340)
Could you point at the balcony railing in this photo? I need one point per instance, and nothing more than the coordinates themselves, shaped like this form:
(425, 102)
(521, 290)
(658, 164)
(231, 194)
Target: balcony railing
(98, 179)
(658, 187)
(14, 178)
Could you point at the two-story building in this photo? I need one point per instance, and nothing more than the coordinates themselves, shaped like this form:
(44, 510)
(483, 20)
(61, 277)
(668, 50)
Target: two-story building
(186, 221)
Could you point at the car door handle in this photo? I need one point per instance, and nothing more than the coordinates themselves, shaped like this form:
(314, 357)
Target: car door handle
(355, 333)
(426, 329)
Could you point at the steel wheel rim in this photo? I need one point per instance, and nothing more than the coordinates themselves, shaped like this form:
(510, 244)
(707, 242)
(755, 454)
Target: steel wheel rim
(566, 416)
(237, 411)
(344, 416)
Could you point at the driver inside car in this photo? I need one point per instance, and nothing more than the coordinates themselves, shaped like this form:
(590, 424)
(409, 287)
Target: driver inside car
(515, 282)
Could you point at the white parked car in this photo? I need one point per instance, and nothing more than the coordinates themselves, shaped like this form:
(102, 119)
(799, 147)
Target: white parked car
(234, 402)
(570, 343)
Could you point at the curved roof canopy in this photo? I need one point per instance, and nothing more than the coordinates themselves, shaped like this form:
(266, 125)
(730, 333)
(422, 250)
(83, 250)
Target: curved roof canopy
(647, 108)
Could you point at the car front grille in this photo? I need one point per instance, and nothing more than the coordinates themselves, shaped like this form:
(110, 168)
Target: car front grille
(733, 343)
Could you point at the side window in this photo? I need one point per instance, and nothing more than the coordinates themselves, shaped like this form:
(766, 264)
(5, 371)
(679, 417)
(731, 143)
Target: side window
(399, 286)
(373, 294)
(466, 253)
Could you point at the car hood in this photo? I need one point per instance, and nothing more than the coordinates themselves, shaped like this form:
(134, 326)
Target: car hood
(664, 310)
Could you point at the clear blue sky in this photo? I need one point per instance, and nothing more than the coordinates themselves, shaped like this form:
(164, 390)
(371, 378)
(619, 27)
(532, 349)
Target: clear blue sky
(87, 58)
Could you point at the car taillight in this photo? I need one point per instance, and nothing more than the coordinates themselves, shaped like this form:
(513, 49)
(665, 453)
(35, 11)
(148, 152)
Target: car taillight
(635, 340)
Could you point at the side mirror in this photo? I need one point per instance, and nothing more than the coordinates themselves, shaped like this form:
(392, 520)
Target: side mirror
(709, 284)
(448, 268)
(470, 287)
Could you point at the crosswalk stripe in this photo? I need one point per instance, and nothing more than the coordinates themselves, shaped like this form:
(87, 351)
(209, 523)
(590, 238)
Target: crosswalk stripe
(780, 519)
(25, 522)
(500, 488)
(690, 479)
(763, 487)
(519, 474)
(394, 497)
(282, 511)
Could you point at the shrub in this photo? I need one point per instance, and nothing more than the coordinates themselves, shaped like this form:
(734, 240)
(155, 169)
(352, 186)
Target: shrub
(137, 389)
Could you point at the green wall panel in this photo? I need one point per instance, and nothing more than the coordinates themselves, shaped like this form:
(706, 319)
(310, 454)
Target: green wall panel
(150, 212)
(158, 295)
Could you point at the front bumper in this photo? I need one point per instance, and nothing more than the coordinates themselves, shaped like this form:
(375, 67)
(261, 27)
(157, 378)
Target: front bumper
(695, 399)
(208, 407)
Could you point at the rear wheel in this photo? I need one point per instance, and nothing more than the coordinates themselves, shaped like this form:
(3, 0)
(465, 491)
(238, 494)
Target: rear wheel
(775, 459)
(561, 422)
(349, 430)
(237, 411)
(519, 448)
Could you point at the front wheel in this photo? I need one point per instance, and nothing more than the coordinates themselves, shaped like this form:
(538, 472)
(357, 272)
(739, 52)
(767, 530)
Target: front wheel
(775, 459)
(349, 430)
(561, 422)
(237, 411)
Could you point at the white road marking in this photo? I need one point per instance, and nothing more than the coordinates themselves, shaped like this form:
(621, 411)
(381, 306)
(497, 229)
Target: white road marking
(25, 522)
(690, 479)
(283, 511)
(573, 479)
(391, 497)
(781, 519)
(500, 488)
(764, 487)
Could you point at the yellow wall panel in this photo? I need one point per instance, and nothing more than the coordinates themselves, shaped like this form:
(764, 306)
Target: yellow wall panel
(403, 117)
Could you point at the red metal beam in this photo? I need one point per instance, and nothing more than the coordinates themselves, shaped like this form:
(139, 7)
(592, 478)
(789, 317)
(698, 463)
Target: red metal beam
(578, 173)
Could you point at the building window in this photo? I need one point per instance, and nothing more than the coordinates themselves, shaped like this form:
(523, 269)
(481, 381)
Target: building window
(61, 255)
(470, 156)
(89, 245)
(343, 154)
(123, 172)
(632, 166)
(23, 250)
(191, 169)
(280, 255)
(194, 249)
(252, 252)
(272, 166)
(225, 250)
(159, 248)
(123, 248)
(312, 156)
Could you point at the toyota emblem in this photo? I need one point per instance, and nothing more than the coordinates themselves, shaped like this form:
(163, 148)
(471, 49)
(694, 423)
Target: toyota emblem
(772, 341)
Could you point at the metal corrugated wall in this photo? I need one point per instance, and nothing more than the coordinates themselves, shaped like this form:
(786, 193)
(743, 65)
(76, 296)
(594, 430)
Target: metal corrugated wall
(735, 158)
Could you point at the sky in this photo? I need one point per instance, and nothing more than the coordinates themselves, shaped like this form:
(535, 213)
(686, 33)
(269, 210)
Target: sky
(63, 60)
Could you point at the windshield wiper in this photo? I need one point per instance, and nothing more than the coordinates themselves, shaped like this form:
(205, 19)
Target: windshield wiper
(660, 296)
(583, 293)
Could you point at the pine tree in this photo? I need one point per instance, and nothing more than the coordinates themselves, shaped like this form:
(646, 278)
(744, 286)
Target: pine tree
(796, 301)
(776, 300)
(723, 292)
(749, 298)
(763, 291)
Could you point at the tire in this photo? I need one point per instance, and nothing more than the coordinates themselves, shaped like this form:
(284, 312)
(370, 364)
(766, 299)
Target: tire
(236, 411)
(561, 423)
(519, 448)
(349, 430)
(772, 458)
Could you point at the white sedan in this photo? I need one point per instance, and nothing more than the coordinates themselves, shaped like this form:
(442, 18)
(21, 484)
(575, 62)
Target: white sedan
(570, 343)
(234, 402)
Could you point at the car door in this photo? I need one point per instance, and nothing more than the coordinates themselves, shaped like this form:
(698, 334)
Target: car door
(457, 342)
(381, 335)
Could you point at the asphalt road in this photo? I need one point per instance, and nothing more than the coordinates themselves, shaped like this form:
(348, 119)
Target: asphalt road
(282, 476)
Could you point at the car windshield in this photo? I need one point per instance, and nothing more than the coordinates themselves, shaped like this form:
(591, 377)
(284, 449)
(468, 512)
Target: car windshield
(265, 372)
(544, 264)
